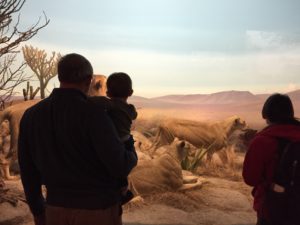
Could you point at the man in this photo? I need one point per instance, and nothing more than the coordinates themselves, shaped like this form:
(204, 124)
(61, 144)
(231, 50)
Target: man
(70, 145)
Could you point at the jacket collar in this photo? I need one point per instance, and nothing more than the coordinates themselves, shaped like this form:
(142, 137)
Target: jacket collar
(68, 92)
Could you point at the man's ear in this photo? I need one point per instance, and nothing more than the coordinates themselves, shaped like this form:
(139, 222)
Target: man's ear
(108, 94)
(87, 83)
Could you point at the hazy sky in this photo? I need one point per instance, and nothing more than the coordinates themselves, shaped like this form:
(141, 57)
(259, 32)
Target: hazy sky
(179, 46)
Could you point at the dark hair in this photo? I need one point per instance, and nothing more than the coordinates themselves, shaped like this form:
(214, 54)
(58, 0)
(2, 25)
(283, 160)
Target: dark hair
(278, 108)
(74, 68)
(119, 85)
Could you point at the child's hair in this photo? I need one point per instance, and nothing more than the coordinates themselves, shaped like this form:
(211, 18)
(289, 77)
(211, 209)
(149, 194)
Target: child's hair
(278, 108)
(119, 85)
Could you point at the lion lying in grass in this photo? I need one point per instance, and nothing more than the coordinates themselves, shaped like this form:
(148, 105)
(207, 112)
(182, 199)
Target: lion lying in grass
(163, 173)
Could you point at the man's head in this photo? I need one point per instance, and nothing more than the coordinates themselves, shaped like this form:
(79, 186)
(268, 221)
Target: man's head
(119, 85)
(278, 108)
(74, 70)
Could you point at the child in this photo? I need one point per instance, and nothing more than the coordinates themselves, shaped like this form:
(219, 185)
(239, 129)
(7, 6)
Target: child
(119, 88)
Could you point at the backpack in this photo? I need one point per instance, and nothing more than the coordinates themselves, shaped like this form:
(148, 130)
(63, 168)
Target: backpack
(283, 197)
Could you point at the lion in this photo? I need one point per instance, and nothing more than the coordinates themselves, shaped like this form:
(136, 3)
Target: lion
(98, 86)
(200, 134)
(142, 143)
(162, 173)
(4, 143)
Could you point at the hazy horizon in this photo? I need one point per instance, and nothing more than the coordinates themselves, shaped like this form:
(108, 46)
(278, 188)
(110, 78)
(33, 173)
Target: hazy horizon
(178, 47)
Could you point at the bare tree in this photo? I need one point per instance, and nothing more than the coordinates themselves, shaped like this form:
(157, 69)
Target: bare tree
(11, 75)
(45, 69)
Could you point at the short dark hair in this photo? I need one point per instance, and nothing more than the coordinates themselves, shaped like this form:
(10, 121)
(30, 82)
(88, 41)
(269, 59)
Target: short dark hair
(119, 85)
(278, 108)
(74, 68)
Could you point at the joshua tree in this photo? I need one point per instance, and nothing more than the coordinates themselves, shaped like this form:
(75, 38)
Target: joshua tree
(11, 75)
(45, 69)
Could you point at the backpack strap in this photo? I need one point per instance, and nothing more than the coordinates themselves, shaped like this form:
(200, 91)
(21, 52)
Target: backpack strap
(282, 143)
(279, 175)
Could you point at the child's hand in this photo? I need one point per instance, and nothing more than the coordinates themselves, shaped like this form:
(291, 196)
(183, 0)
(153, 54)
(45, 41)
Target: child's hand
(129, 144)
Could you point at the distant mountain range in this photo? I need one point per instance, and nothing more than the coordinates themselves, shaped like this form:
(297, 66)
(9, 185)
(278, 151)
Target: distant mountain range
(219, 98)
(207, 107)
(224, 97)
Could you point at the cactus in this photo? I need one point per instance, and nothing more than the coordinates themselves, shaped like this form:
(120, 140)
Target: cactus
(28, 92)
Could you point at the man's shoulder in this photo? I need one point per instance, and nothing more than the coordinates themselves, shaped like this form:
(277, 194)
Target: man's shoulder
(33, 110)
(36, 106)
(97, 107)
(98, 99)
(99, 102)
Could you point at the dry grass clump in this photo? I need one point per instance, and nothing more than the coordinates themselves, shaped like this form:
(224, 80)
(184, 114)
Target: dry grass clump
(148, 127)
(226, 163)
(191, 163)
(232, 171)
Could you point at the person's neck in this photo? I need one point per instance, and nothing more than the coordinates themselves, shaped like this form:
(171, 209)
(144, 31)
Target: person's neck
(123, 99)
(73, 86)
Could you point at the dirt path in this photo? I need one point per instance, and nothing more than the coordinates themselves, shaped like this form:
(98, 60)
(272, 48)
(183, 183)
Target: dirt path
(218, 202)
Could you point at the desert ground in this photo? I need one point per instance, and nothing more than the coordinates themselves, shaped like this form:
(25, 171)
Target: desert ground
(223, 198)
(219, 201)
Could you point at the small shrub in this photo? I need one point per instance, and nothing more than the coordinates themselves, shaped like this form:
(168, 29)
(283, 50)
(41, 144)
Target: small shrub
(191, 163)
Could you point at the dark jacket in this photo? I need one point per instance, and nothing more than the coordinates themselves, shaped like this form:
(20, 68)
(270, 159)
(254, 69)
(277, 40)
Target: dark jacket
(69, 144)
(121, 113)
(261, 159)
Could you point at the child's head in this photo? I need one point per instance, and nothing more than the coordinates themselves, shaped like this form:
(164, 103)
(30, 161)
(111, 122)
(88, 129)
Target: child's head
(278, 108)
(119, 85)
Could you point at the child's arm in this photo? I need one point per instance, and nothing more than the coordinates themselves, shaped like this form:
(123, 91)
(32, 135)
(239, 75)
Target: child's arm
(133, 113)
(129, 145)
